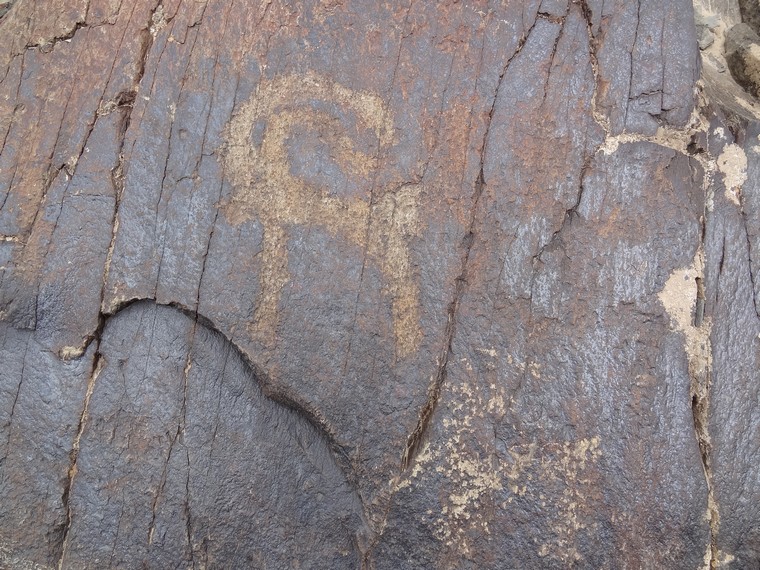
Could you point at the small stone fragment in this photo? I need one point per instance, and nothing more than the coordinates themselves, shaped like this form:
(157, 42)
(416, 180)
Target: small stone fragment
(719, 65)
(706, 24)
(743, 57)
(706, 38)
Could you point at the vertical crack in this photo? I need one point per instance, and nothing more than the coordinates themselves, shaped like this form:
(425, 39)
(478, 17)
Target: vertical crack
(601, 119)
(700, 406)
(434, 392)
(181, 425)
(629, 99)
(167, 172)
(416, 437)
(188, 513)
(750, 273)
(700, 370)
(97, 367)
(203, 153)
(126, 102)
(161, 485)
(15, 400)
(179, 435)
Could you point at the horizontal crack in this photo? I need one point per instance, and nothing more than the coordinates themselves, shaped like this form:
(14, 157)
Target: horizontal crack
(302, 409)
(49, 44)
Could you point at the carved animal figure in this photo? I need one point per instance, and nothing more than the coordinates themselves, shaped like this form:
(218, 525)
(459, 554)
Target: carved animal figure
(258, 163)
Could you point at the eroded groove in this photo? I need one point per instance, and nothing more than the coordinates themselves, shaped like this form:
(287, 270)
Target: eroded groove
(701, 380)
(97, 367)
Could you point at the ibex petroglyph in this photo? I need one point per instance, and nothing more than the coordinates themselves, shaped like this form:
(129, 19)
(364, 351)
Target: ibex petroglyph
(265, 188)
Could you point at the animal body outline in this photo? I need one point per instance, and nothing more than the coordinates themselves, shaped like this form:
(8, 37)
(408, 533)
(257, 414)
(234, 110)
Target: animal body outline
(265, 189)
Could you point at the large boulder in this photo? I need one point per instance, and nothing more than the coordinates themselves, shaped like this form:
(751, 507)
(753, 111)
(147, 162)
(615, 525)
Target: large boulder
(374, 285)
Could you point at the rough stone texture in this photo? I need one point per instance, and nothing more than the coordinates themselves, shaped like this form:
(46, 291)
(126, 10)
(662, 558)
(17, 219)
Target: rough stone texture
(735, 400)
(743, 57)
(363, 285)
(750, 11)
(198, 457)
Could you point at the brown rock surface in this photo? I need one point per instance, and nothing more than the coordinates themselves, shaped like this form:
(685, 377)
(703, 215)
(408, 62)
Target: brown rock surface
(364, 285)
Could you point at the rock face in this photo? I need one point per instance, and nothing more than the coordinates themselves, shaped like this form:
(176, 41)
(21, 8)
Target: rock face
(750, 11)
(363, 285)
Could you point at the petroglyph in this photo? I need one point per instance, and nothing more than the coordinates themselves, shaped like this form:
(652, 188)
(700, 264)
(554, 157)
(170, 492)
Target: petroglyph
(264, 168)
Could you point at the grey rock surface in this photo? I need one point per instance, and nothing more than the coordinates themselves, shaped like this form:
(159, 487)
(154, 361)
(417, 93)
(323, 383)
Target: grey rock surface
(750, 11)
(743, 56)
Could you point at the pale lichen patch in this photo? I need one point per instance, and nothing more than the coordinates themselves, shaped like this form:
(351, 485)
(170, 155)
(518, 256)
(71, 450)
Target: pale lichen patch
(724, 559)
(10, 560)
(71, 352)
(480, 481)
(567, 464)
(487, 351)
(732, 164)
(158, 21)
(679, 297)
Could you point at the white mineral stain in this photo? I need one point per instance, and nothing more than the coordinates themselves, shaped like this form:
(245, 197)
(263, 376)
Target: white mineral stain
(489, 351)
(679, 297)
(732, 164)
